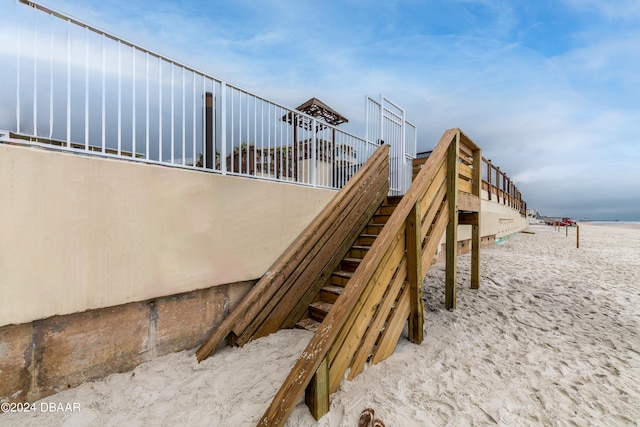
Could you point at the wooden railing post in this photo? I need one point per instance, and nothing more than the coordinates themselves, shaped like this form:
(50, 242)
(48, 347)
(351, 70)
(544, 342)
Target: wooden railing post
(489, 173)
(475, 227)
(317, 392)
(452, 226)
(498, 179)
(413, 241)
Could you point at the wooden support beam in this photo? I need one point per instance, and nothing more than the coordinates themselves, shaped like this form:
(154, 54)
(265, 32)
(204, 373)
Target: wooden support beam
(317, 392)
(475, 228)
(414, 272)
(452, 226)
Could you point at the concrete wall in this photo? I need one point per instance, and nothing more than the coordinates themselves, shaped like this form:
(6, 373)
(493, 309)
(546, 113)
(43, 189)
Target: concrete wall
(80, 233)
(43, 357)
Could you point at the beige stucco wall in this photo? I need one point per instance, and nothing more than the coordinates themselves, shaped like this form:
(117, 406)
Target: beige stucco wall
(499, 219)
(79, 233)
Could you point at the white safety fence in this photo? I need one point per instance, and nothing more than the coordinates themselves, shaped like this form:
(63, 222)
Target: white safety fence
(80, 89)
(386, 123)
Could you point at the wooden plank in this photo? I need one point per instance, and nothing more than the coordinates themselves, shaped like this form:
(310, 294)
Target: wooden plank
(465, 153)
(468, 202)
(477, 172)
(465, 218)
(452, 227)
(377, 323)
(464, 186)
(348, 341)
(433, 188)
(431, 246)
(392, 332)
(266, 287)
(317, 392)
(465, 171)
(414, 272)
(433, 210)
(324, 247)
(467, 142)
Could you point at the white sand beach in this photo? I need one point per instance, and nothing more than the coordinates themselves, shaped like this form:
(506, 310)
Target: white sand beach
(551, 338)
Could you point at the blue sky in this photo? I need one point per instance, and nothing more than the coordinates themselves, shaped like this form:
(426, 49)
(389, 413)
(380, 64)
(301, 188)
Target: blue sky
(549, 89)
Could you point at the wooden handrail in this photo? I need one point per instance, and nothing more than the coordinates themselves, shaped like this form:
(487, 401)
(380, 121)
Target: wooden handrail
(386, 288)
(504, 189)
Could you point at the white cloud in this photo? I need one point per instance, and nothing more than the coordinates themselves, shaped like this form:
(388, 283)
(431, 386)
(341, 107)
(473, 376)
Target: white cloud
(606, 71)
(618, 10)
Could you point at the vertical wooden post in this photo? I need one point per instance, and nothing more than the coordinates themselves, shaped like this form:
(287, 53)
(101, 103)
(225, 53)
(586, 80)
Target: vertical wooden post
(566, 231)
(475, 228)
(498, 180)
(317, 393)
(413, 241)
(452, 226)
(577, 237)
(489, 172)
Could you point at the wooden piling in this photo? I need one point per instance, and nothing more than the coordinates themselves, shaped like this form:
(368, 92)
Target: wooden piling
(452, 226)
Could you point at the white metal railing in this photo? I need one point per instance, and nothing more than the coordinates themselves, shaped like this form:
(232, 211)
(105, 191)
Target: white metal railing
(386, 122)
(78, 88)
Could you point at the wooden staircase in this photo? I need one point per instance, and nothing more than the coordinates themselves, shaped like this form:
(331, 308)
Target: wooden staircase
(339, 279)
(354, 276)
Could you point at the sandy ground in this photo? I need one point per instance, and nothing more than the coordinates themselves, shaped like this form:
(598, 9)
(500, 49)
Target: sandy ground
(551, 338)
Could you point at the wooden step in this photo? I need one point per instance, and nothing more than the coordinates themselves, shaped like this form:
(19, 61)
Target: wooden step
(350, 264)
(358, 251)
(309, 324)
(366, 239)
(373, 228)
(319, 309)
(394, 200)
(330, 293)
(385, 210)
(340, 278)
(380, 219)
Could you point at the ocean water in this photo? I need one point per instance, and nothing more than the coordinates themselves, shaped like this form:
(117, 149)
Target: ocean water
(621, 224)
